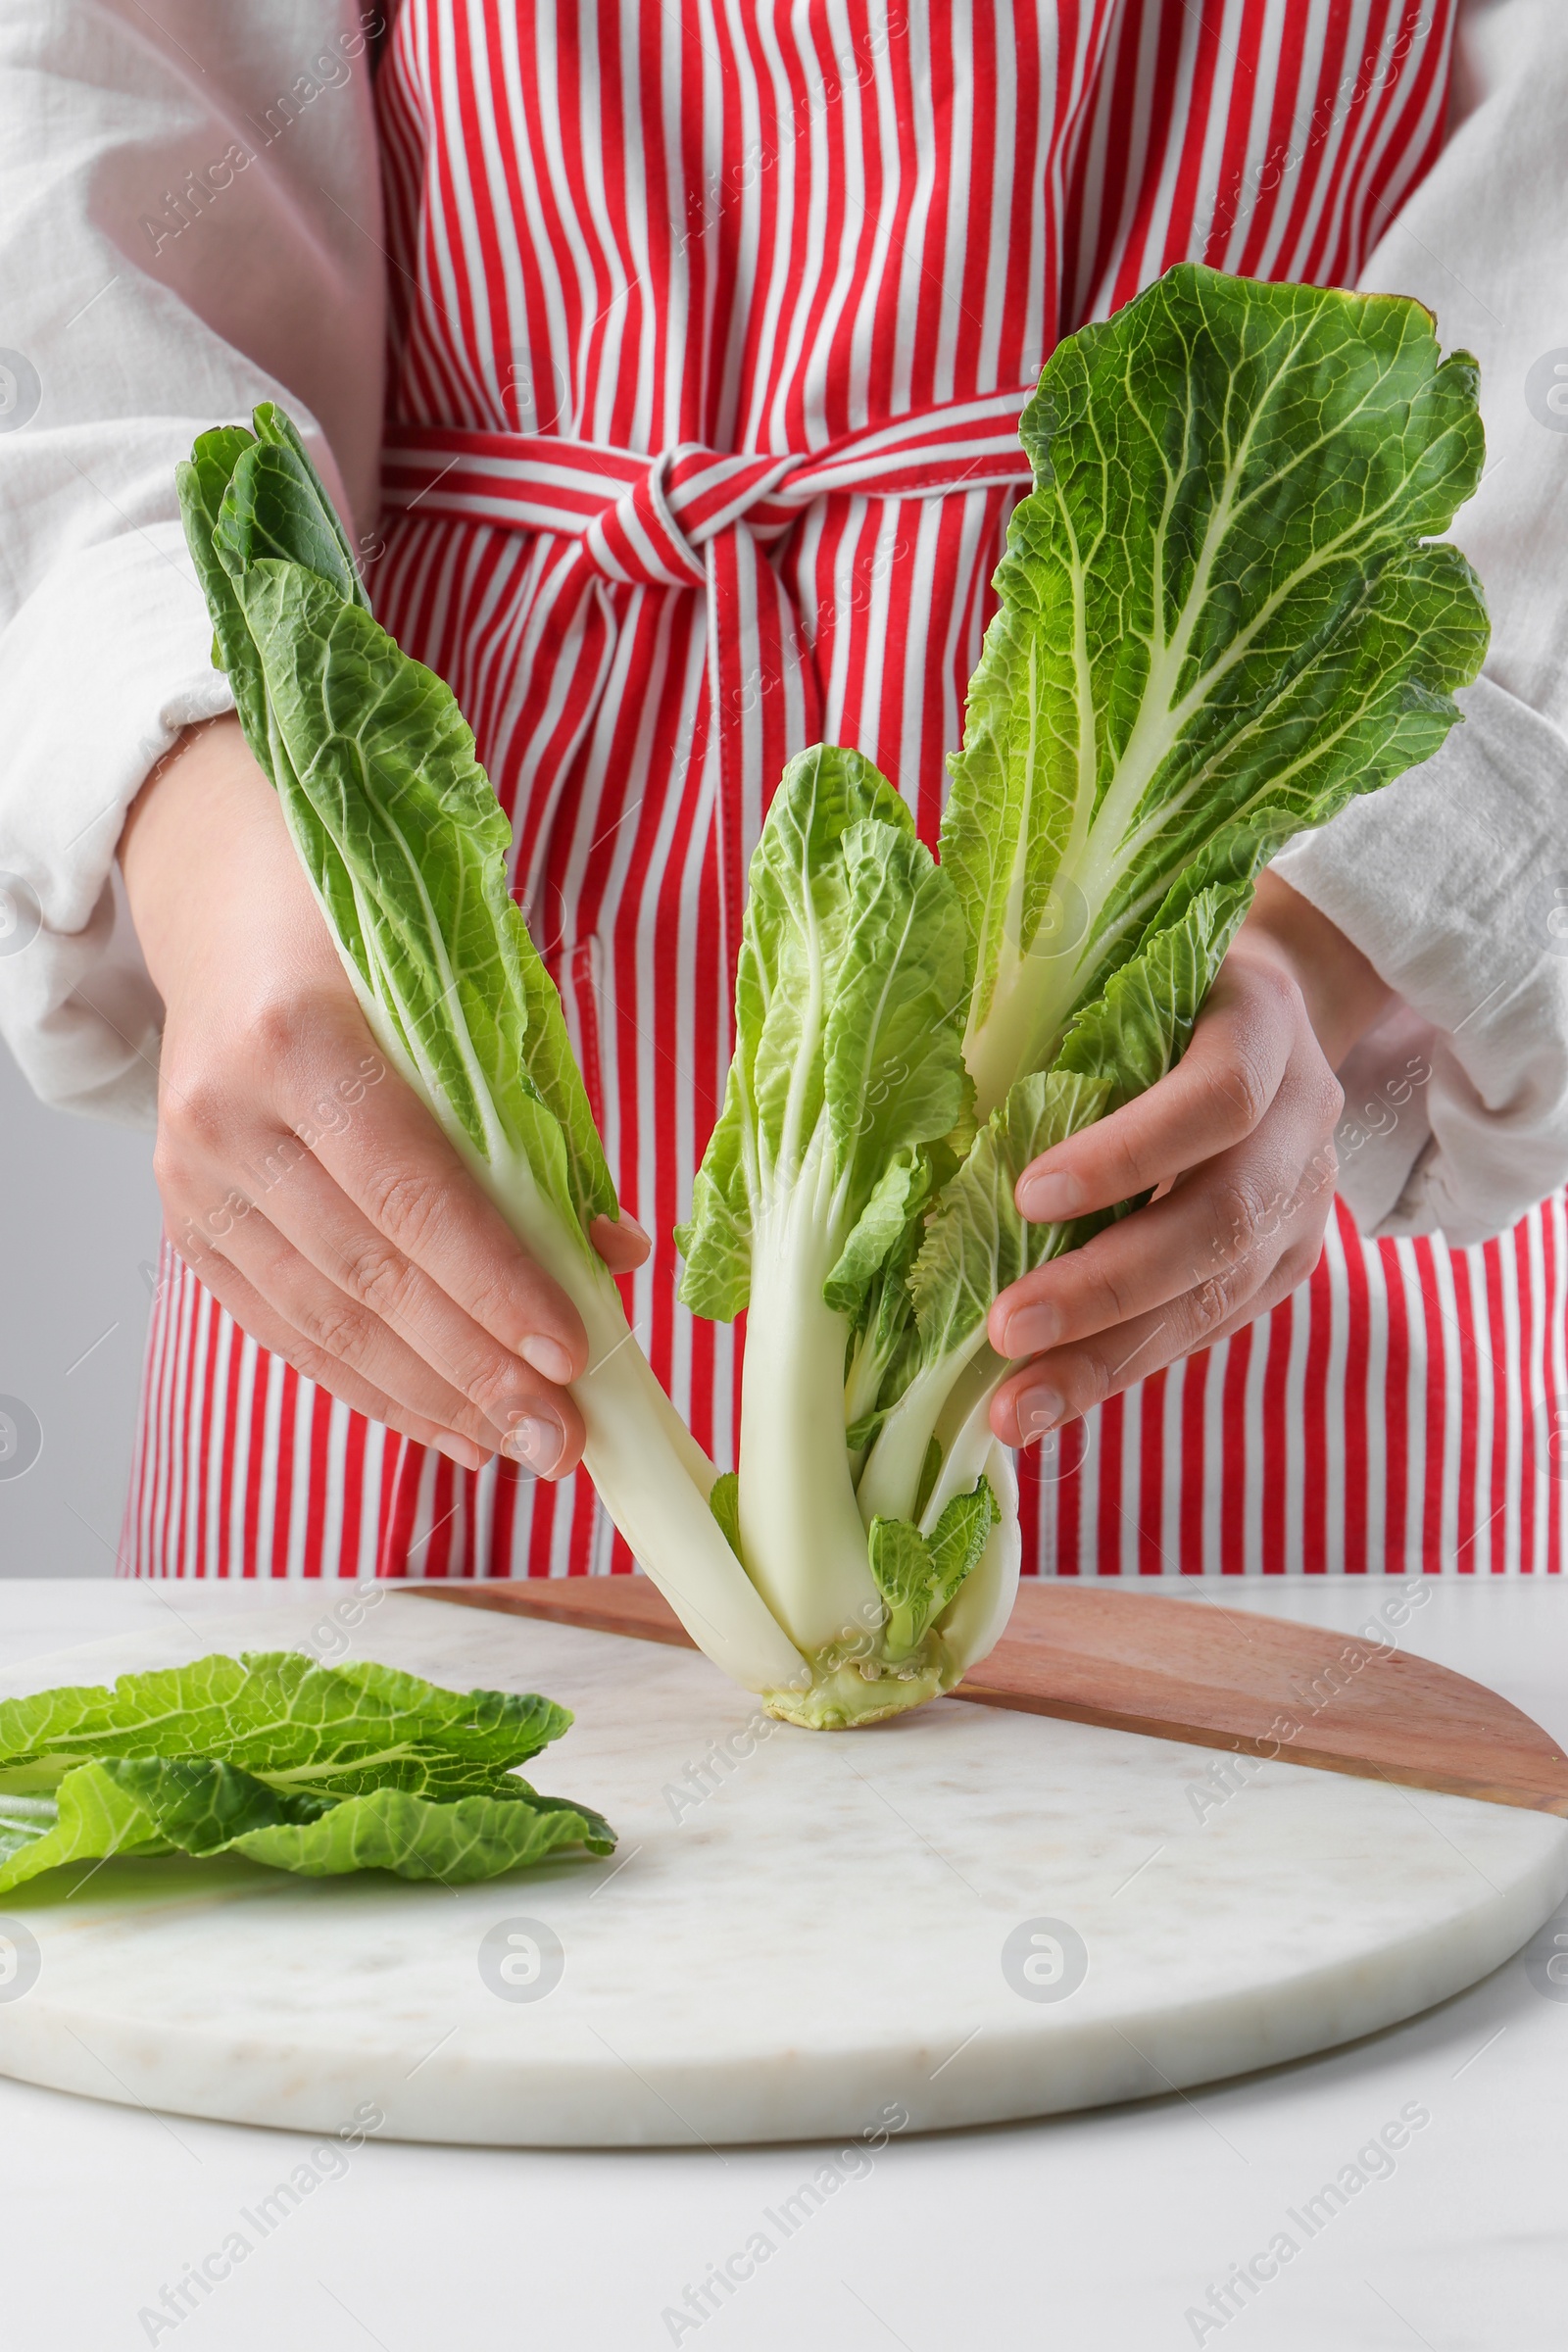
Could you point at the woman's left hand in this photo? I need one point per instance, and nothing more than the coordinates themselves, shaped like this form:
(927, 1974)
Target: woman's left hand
(1237, 1144)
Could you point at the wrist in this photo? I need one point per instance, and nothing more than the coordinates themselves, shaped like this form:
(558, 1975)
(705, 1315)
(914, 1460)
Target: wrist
(1344, 995)
(208, 862)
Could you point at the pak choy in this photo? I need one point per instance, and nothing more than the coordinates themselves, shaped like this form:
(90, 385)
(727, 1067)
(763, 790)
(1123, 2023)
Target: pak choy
(1223, 611)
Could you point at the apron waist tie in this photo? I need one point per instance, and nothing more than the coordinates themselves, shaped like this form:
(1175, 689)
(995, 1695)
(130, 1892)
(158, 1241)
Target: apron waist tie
(700, 519)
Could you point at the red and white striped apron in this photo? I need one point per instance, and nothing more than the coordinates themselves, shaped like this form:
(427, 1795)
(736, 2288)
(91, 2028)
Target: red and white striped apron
(712, 325)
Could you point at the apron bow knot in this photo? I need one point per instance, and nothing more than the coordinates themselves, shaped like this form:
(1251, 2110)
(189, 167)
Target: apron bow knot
(696, 519)
(657, 532)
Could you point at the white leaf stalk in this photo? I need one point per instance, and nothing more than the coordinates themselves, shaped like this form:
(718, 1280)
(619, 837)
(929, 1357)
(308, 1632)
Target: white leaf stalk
(651, 1473)
(801, 1537)
(804, 1537)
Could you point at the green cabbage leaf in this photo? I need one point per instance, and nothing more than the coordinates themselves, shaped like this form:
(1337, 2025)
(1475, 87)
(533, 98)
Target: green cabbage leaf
(314, 1768)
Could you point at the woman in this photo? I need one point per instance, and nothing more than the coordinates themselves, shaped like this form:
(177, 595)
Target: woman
(706, 334)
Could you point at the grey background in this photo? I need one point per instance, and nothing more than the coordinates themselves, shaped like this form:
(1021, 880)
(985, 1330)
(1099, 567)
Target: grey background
(80, 1215)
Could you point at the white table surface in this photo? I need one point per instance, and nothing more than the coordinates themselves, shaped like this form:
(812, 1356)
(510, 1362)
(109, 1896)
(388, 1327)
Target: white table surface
(1096, 2233)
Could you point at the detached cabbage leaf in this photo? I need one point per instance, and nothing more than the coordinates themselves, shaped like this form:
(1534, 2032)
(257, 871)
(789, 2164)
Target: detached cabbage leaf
(316, 1769)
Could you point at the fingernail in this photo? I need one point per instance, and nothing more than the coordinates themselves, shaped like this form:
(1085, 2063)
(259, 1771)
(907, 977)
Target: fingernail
(1031, 1330)
(618, 1238)
(1039, 1411)
(535, 1442)
(547, 1356)
(1050, 1199)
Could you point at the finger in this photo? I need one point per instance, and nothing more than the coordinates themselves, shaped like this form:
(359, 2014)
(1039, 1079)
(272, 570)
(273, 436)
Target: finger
(1065, 1382)
(316, 1312)
(391, 1159)
(336, 1238)
(537, 1425)
(1214, 1097)
(1297, 1266)
(251, 1311)
(1253, 1283)
(1216, 1219)
(542, 1431)
(620, 1242)
(1069, 1382)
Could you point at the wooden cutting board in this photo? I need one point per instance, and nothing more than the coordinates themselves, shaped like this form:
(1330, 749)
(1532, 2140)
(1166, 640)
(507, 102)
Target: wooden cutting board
(1190, 1670)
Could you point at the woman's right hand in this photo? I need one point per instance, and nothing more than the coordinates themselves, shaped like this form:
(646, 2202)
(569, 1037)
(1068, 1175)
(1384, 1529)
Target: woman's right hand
(300, 1178)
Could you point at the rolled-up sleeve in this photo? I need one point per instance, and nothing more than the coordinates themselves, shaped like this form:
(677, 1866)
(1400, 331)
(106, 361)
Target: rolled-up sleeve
(189, 224)
(1453, 881)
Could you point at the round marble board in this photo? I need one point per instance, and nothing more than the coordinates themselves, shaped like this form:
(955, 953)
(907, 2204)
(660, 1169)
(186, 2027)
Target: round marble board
(966, 1916)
